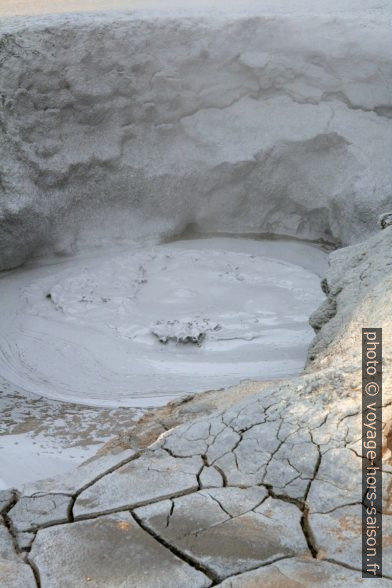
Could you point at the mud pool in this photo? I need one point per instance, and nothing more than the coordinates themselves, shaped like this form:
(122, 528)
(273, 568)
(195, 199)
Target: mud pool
(138, 327)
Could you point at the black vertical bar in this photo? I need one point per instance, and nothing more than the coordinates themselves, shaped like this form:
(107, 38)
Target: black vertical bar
(372, 452)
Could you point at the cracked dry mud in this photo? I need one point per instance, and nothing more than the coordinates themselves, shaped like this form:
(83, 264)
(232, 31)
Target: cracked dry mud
(264, 492)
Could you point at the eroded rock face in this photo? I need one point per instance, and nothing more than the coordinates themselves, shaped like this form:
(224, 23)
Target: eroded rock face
(355, 276)
(131, 126)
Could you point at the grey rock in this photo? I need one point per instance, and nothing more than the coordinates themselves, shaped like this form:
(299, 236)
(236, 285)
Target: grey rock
(25, 540)
(292, 466)
(338, 536)
(302, 573)
(191, 331)
(237, 501)
(189, 439)
(13, 572)
(179, 517)
(81, 476)
(385, 220)
(202, 527)
(6, 498)
(210, 478)
(338, 481)
(355, 274)
(154, 475)
(16, 574)
(7, 549)
(109, 552)
(32, 512)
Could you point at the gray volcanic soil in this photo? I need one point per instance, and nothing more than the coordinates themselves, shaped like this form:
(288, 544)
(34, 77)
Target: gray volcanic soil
(120, 132)
(124, 128)
(262, 119)
(263, 489)
(139, 327)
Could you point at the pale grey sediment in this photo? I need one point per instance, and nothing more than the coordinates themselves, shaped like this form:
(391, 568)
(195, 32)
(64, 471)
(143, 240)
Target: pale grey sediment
(127, 126)
(138, 327)
(277, 132)
(287, 506)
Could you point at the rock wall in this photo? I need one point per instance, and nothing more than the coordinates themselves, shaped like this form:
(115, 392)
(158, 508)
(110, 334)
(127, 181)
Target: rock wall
(357, 288)
(125, 127)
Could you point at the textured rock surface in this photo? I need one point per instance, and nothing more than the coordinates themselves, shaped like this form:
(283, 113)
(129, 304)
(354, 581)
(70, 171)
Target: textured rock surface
(7, 550)
(109, 552)
(154, 475)
(6, 498)
(24, 540)
(136, 125)
(31, 512)
(15, 574)
(301, 573)
(355, 275)
(82, 476)
(338, 536)
(228, 540)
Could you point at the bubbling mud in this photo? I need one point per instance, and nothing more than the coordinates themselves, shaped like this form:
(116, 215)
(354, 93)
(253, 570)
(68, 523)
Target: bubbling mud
(140, 326)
